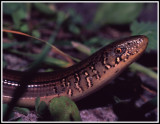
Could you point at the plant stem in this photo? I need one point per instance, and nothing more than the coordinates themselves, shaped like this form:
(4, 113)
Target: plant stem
(145, 70)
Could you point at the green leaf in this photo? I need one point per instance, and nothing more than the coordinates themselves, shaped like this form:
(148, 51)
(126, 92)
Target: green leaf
(74, 16)
(24, 111)
(61, 16)
(37, 103)
(36, 33)
(74, 29)
(18, 11)
(24, 28)
(42, 110)
(148, 29)
(63, 109)
(93, 41)
(18, 16)
(5, 107)
(117, 13)
(42, 7)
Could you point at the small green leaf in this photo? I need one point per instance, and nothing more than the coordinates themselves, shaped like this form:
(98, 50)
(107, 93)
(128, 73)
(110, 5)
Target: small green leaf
(17, 11)
(61, 16)
(63, 109)
(36, 33)
(93, 41)
(24, 111)
(18, 16)
(74, 16)
(24, 28)
(74, 29)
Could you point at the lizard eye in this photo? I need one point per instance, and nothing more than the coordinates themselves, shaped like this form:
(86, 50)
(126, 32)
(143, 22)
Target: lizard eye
(118, 50)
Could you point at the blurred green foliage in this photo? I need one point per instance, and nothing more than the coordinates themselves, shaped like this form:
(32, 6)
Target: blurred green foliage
(24, 111)
(43, 8)
(148, 29)
(10, 8)
(74, 19)
(95, 43)
(17, 11)
(5, 107)
(47, 60)
(107, 13)
(117, 13)
(36, 33)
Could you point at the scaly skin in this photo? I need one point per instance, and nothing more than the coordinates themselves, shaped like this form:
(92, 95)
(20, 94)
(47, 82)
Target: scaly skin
(78, 80)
